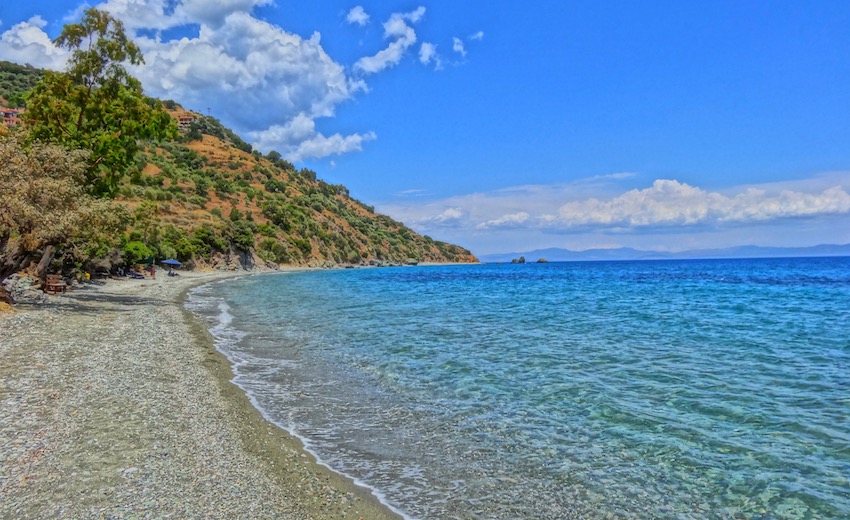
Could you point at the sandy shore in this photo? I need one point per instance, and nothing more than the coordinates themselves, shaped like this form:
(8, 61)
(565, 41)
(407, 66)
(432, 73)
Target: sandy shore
(114, 404)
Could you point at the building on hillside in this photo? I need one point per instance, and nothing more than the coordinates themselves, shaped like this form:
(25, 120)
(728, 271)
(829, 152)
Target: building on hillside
(184, 120)
(11, 116)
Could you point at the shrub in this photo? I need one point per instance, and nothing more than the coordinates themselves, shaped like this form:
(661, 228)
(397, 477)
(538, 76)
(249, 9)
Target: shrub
(135, 252)
(273, 251)
(241, 236)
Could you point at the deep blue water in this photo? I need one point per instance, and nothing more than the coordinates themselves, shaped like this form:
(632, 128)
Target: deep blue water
(664, 389)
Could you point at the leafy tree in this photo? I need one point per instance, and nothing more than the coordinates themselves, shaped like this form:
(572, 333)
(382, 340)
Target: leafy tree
(241, 236)
(136, 252)
(97, 105)
(43, 206)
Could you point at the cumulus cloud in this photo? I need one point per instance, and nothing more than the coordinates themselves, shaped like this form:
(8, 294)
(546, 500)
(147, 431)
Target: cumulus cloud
(403, 36)
(166, 14)
(448, 217)
(428, 54)
(214, 14)
(457, 46)
(277, 75)
(137, 14)
(511, 220)
(258, 78)
(601, 205)
(672, 203)
(477, 36)
(26, 42)
(298, 140)
(357, 16)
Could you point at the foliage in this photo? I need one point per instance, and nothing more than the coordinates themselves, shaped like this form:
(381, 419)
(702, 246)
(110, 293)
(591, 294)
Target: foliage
(97, 105)
(242, 236)
(43, 203)
(16, 80)
(135, 252)
(180, 189)
(212, 126)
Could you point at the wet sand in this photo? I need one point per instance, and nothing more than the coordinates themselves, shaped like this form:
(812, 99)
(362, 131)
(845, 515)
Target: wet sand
(115, 404)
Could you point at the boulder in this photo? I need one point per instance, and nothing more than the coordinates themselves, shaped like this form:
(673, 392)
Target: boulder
(24, 289)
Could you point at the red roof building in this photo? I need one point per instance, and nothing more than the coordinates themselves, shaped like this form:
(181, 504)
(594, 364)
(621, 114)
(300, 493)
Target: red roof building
(11, 116)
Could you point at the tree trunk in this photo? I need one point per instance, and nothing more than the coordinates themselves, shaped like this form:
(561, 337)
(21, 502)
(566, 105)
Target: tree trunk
(10, 256)
(44, 263)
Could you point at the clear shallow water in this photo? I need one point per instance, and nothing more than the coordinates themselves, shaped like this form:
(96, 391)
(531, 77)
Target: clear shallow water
(676, 389)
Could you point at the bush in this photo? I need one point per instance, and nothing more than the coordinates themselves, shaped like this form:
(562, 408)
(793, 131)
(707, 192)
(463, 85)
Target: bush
(135, 252)
(202, 185)
(267, 230)
(273, 251)
(205, 235)
(241, 236)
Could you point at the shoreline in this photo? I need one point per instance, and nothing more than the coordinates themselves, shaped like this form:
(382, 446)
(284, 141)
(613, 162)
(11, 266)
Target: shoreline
(116, 403)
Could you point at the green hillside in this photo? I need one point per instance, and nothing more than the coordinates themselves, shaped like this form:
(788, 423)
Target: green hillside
(15, 81)
(207, 199)
(207, 195)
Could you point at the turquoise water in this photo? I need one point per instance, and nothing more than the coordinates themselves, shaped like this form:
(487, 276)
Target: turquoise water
(671, 389)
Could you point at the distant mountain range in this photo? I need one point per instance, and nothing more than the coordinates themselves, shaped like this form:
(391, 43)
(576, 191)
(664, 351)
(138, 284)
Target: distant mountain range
(627, 253)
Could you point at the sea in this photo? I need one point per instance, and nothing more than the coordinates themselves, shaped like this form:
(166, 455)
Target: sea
(646, 389)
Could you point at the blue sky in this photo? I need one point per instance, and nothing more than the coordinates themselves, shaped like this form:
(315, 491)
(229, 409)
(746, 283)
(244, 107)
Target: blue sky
(508, 126)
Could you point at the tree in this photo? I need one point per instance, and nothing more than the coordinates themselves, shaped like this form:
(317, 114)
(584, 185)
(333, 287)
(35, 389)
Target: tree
(96, 105)
(43, 206)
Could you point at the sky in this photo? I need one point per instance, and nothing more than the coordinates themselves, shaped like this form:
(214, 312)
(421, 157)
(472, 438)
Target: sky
(509, 126)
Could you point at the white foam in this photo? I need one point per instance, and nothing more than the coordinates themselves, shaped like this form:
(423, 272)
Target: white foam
(226, 338)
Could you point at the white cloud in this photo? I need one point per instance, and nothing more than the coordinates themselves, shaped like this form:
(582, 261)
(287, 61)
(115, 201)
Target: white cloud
(26, 42)
(477, 36)
(298, 140)
(414, 16)
(671, 203)
(449, 217)
(276, 74)
(136, 14)
(358, 16)
(258, 78)
(398, 28)
(591, 204)
(166, 14)
(668, 215)
(506, 221)
(213, 14)
(428, 54)
(457, 46)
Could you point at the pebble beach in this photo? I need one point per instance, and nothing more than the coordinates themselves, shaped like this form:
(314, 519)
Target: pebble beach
(115, 404)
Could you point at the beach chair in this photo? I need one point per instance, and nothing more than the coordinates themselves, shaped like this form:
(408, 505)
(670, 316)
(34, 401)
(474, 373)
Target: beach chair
(54, 284)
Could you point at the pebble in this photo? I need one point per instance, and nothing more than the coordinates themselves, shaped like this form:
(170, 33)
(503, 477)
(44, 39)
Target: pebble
(108, 411)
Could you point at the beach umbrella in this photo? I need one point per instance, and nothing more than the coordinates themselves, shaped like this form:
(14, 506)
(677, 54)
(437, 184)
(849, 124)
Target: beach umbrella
(170, 261)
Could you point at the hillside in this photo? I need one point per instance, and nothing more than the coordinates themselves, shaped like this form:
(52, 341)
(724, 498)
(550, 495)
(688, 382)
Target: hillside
(15, 81)
(206, 196)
